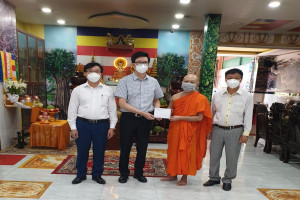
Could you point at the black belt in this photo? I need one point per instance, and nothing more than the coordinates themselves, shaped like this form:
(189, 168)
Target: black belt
(228, 127)
(93, 121)
(135, 114)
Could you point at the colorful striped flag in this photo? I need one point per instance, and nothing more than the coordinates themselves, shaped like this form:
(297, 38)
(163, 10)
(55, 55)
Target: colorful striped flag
(91, 41)
(8, 66)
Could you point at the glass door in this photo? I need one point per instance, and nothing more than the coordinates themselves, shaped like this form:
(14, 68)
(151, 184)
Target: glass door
(23, 57)
(31, 60)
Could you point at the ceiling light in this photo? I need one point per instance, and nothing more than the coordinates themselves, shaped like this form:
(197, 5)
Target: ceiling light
(175, 26)
(185, 1)
(60, 21)
(46, 10)
(179, 16)
(274, 4)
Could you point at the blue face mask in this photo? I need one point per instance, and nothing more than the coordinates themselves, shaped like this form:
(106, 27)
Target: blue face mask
(188, 87)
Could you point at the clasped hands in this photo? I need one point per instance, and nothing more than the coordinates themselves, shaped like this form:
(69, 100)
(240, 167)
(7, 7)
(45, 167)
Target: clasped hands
(149, 116)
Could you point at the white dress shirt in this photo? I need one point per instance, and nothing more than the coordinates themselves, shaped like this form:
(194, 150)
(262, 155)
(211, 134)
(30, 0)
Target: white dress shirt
(92, 103)
(232, 110)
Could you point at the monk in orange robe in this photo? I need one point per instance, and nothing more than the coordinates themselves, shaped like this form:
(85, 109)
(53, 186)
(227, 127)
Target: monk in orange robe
(191, 122)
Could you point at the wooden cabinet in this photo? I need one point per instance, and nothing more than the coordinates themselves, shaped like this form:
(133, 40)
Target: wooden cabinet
(31, 64)
(160, 136)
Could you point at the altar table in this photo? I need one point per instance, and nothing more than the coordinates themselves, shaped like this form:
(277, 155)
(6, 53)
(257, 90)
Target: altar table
(55, 134)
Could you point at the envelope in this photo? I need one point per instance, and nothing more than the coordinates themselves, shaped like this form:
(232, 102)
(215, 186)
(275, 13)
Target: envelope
(162, 113)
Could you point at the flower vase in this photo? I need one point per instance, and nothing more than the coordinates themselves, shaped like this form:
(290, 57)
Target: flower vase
(8, 102)
(7, 99)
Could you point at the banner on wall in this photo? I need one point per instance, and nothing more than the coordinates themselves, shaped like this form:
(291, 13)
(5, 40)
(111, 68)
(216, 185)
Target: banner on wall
(91, 41)
(7, 66)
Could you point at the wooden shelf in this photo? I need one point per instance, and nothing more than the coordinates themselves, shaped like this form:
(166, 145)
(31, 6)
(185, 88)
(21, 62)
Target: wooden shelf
(10, 106)
(158, 138)
(120, 46)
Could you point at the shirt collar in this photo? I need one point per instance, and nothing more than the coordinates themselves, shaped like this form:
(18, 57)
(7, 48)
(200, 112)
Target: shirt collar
(87, 85)
(135, 77)
(239, 91)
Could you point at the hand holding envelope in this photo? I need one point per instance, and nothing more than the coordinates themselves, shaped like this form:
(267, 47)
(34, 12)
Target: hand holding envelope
(162, 113)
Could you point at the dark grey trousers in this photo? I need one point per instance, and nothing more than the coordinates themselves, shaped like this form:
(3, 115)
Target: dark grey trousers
(229, 139)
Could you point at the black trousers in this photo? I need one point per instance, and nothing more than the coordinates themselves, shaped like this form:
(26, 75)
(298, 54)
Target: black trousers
(130, 127)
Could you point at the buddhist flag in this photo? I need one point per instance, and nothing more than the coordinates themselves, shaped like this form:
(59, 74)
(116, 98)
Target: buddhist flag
(91, 41)
(8, 66)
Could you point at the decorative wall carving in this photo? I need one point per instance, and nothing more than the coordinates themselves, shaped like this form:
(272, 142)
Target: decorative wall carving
(231, 37)
(269, 40)
(292, 39)
(196, 42)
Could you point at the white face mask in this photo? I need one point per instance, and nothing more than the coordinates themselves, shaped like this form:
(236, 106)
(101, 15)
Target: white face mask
(188, 87)
(93, 77)
(141, 68)
(233, 83)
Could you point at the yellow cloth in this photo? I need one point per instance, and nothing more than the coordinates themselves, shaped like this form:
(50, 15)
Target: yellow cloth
(55, 134)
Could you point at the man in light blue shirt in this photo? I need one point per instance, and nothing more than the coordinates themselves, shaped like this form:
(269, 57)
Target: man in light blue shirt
(138, 96)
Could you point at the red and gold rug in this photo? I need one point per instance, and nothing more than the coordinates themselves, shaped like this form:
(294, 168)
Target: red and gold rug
(23, 189)
(10, 159)
(280, 194)
(154, 167)
(44, 161)
(151, 153)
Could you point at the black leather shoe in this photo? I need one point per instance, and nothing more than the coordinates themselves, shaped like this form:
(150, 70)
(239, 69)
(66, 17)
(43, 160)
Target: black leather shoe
(99, 180)
(141, 179)
(226, 186)
(123, 179)
(78, 180)
(211, 183)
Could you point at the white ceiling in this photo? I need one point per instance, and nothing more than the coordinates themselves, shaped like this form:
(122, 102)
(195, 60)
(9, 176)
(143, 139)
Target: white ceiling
(159, 13)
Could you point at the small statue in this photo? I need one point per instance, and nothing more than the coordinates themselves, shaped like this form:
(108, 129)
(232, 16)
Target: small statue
(121, 40)
(129, 40)
(120, 71)
(109, 38)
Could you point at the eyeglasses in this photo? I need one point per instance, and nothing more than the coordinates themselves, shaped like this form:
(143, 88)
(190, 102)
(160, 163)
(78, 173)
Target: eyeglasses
(96, 71)
(141, 62)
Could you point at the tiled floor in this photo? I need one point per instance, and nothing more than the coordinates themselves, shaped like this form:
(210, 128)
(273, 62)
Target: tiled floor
(256, 170)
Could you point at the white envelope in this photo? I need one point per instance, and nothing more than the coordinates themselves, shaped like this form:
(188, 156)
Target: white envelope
(162, 113)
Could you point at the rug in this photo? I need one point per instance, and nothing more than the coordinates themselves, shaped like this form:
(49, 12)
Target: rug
(10, 159)
(151, 153)
(154, 167)
(23, 189)
(44, 161)
(70, 149)
(280, 194)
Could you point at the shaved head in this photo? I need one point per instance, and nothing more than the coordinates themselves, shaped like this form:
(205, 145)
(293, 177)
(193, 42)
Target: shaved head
(191, 78)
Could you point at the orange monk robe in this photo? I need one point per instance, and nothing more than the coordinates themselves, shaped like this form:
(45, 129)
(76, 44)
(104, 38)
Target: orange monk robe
(187, 140)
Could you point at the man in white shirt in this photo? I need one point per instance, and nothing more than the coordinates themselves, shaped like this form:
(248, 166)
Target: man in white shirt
(232, 119)
(92, 116)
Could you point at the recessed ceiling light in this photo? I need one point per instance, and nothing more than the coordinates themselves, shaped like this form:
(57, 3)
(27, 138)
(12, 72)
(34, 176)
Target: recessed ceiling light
(185, 1)
(179, 16)
(61, 21)
(175, 26)
(274, 4)
(46, 10)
